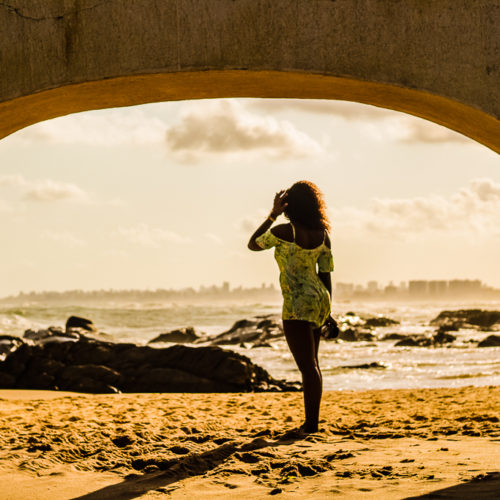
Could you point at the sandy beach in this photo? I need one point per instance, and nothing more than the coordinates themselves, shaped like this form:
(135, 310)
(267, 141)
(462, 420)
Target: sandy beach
(372, 444)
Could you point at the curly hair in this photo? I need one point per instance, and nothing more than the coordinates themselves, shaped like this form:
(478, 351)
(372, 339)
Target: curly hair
(305, 206)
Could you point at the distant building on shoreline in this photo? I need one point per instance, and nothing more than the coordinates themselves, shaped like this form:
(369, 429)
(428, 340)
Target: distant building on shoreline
(266, 293)
(418, 290)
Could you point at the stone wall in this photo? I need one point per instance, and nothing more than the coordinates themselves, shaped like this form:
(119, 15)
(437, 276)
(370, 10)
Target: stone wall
(436, 59)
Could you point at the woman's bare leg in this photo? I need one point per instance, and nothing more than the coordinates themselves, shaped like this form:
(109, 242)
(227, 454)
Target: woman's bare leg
(303, 342)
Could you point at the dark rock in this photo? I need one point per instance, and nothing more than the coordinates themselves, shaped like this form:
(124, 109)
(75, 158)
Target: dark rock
(7, 380)
(180, 336)
(258, 331)
(261, 343)
(89, 385)
(76, 322)
(8, 344)
(32, 380)
(15, 363)
(366, 366)
(103, 367)
(467, 317)
(450, 327)
(442, 337)
(490, 341)
(414, 341)
(380, 322)
(394, 336)
(96, 353)
(349, 335)
(11, 338)
(50, 334)
(104, 374)
(355, 335)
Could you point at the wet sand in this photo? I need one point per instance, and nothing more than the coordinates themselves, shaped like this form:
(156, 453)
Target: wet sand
(372, 444)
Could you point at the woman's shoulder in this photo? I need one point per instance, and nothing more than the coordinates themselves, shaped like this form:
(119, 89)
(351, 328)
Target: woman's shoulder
(283, 232)
(328, 242)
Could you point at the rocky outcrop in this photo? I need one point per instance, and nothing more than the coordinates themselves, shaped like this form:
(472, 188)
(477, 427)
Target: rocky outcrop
(103, 367)
(356, 335)
(8, 343)
(51, 334)
(490, 341)
(414, 341)
(443, 337)
(179, 336)
(393, 336)
(380, 321)
(466, 318)
(78, 323)
(366, 366)
(257, 332)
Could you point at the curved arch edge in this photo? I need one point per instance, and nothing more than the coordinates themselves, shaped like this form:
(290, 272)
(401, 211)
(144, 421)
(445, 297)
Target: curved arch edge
(133, 90)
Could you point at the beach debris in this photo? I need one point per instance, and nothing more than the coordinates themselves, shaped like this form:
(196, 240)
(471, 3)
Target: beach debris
(490, 341)
(105, 367)
(179, 336)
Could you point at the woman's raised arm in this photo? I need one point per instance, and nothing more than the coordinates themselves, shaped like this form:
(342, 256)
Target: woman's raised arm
(279, 206)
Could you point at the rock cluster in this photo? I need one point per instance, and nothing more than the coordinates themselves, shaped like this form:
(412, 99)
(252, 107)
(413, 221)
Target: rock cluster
(103, 367)
(467, 318)
(257, 332)
(180, 336)
(490, 341)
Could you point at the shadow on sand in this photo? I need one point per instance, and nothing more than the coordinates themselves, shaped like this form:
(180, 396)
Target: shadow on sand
(195, 464)
(483, 487)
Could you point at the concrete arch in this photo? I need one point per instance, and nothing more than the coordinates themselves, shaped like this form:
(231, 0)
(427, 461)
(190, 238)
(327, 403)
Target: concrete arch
(437, 60)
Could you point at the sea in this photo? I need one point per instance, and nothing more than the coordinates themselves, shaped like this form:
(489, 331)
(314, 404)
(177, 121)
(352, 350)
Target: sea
(459, 364)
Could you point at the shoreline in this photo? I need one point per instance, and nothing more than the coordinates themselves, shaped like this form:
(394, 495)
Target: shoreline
(390, 443)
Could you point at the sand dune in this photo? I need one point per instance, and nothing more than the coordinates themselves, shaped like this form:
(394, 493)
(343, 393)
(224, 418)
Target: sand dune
(373, 444)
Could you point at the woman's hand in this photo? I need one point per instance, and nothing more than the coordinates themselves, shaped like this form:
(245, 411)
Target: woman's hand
(279, 204)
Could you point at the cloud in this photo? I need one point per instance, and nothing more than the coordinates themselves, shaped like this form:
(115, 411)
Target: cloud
(48, 190)
(96, 128)
(213, 238)
(226, 128)
(412, 130)
(379, 123)
(145, 235)
(65, 238)
(344, 109)
(45, 190)
(5, 207)
(12, 181)
(474, 209)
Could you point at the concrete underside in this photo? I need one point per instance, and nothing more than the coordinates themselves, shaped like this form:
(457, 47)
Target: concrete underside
(437, 60)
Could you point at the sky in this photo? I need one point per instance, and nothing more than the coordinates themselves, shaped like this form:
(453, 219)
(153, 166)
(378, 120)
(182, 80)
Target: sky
(166, 195)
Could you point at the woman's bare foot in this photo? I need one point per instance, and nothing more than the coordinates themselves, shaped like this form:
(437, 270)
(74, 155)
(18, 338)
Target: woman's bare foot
(308, 429)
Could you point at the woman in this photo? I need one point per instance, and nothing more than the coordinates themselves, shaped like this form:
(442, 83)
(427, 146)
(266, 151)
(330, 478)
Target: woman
(300, 245)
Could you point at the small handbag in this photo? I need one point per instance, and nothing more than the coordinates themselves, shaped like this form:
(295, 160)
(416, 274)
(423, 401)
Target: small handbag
(330, 329)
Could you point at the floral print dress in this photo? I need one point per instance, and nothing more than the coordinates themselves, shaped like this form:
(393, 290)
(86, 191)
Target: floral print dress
(305, 297)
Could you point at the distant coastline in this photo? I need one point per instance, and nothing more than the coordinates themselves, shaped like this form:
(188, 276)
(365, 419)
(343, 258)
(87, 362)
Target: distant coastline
(412, 290)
